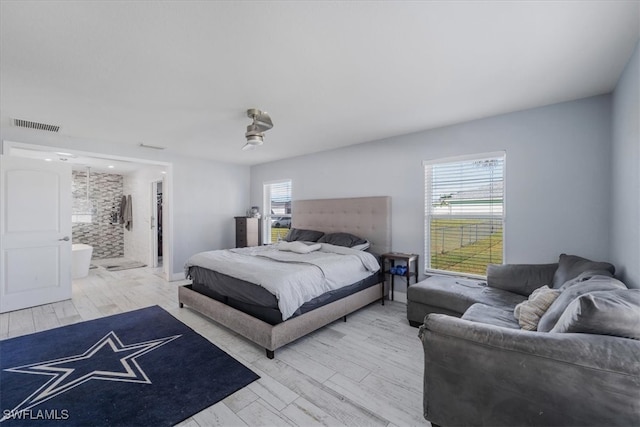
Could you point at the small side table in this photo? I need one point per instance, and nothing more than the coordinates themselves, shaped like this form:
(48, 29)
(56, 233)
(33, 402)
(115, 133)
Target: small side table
(407, 259)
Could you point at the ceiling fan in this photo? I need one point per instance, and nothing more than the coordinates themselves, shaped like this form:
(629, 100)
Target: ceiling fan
(255, 131)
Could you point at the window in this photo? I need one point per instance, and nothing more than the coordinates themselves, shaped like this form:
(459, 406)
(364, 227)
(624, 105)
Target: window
(464, 213)
(277, 209)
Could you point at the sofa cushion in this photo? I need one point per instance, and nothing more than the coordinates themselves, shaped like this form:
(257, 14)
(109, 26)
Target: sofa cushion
(495, 316)
(572, 291)
(457, 294)
(604, 313)
(570, 266)
(520, 278)
(529, 312)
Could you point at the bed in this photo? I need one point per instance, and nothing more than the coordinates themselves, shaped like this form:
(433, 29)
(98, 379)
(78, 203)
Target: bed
(367, 217)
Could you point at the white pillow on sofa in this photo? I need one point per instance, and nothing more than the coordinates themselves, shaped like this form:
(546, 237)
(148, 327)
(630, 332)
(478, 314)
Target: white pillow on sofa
(530, 311)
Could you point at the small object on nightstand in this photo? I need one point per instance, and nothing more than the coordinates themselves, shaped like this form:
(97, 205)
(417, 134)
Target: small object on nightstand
(400, 270)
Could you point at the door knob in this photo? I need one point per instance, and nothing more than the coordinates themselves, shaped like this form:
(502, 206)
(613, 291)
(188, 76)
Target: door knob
(65, 238)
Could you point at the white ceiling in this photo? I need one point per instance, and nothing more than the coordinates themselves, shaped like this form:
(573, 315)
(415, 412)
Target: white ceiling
(181, 74)
(80, 161)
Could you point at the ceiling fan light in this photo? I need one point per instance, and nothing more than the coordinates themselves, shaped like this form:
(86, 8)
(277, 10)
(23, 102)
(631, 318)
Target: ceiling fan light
(249, 147)
(256, 139)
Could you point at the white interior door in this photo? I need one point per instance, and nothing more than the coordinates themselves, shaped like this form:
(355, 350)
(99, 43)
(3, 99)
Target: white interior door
(35, 232)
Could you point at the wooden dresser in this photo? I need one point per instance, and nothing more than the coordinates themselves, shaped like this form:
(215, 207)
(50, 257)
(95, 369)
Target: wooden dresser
(247, 232)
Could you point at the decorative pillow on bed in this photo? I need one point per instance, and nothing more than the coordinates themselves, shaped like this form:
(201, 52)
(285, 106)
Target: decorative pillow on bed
(342, 239)
(296, 234)
(298, 247)
(362, 247)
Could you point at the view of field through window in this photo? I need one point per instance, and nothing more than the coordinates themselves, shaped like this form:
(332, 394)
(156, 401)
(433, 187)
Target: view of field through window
(465, 245)
(464, 214)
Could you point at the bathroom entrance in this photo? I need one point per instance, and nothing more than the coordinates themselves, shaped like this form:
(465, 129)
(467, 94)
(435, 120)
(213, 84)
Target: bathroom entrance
(156, 223)
(134, 237)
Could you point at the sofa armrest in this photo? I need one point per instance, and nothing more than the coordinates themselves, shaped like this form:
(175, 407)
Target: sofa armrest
(520, 278)
(483, 374)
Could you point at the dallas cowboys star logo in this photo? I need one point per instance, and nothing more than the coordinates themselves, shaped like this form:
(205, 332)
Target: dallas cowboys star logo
(106, 360)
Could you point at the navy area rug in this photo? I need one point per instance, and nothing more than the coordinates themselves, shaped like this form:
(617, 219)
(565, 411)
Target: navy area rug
(141, 368)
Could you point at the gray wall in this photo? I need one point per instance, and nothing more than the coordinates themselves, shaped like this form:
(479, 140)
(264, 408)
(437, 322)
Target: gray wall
(205, 196)
(561, 169)
(625, 161)
(558, 177)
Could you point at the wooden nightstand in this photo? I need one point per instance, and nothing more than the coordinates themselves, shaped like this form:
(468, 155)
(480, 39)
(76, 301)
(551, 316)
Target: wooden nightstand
(407, 260)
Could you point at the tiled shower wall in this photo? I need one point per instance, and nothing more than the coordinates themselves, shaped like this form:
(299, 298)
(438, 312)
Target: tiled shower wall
(105, 192)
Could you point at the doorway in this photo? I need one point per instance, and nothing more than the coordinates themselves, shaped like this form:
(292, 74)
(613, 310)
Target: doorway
(157, 244)
(101, 160)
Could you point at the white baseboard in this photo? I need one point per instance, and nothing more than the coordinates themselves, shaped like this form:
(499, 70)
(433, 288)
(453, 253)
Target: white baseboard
(177, 276)
(400, 296)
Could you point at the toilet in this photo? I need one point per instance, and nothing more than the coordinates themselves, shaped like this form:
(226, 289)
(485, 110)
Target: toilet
(80, 260)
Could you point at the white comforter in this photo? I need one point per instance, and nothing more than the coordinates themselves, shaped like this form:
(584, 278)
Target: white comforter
(292, 277)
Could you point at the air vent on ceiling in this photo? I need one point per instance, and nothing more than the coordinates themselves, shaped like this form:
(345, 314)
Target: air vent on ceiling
(35, 125)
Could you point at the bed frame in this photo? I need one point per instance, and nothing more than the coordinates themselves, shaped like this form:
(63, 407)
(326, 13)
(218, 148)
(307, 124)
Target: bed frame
(367, 217)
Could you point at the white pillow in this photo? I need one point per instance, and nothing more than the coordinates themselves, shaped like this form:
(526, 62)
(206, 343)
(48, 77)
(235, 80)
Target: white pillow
(298, 247)
(530, 311)
(362, 246)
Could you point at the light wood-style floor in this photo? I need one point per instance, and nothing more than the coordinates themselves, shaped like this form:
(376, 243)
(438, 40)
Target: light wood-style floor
(363, 372)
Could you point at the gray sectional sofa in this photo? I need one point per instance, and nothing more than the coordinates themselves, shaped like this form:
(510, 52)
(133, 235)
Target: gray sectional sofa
(580, 365)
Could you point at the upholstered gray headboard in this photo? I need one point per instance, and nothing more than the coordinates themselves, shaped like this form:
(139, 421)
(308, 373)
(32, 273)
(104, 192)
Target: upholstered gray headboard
(366, 217)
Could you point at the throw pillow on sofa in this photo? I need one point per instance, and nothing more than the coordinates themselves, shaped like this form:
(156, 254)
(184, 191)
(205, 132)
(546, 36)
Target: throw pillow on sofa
(604, 313)
(521, 279)
(530, 311)
(570, 266)
(572, 291)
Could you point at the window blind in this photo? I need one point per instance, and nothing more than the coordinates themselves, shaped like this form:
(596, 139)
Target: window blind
(277, 210)
(464, 213)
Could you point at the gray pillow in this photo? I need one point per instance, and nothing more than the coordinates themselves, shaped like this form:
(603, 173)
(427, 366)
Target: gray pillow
(573, 291)
(342, 239)
(570, 266)
(520, 278)
(296, 234)
(584, 276)
(604, 313)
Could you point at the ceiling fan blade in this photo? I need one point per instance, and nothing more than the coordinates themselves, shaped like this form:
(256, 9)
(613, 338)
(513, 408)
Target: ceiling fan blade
(263, 121)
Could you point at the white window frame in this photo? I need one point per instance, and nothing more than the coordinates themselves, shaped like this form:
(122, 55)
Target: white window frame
(428, 198)
(266, 208)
